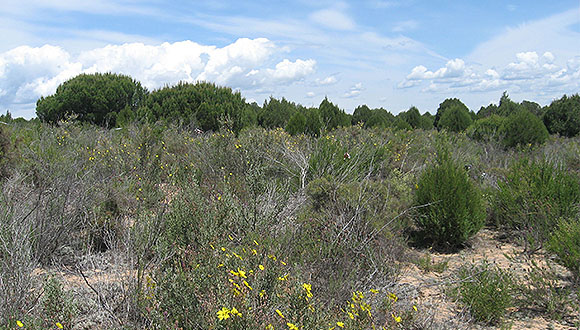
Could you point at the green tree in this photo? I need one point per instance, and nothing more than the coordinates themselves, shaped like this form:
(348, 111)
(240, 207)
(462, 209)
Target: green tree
(444, 106)
(332, 116)
(296, 124)
(94, 98)
(522, 128)
(276, 113)
(455, 119)
(506, 106)
(563, 116)
(361, 114)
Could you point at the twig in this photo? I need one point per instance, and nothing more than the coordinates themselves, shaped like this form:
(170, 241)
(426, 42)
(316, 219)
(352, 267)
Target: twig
(99, 298)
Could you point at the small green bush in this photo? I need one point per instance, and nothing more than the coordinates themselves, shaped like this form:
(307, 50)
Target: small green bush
(523, 128)
(486, 129)
(565, 243)
(450, 206)
(531, 199)
(486, 291)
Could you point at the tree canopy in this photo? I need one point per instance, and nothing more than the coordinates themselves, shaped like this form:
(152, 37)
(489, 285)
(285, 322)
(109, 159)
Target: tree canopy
(93, 98)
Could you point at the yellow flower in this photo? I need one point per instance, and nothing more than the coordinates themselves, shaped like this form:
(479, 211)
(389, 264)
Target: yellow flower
(269, 327)
(291, 326)
(235, 312)
(397, 318)
(415, 308)
(19, 324)
(246, 284)
(58, 325)
(280, 313)
(340, 324)
(261, 267)
(223, 314)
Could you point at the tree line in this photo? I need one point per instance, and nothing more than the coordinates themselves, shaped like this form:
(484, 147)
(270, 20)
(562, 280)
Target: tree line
(113, 100)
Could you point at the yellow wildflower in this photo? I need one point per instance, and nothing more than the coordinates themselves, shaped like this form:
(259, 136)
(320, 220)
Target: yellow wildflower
(223, 314)
(235, 312)
(261, 267)
(397, 318)
(58, 325)
(340, 324)
(19, 324)
(280, 313)
(291, 326)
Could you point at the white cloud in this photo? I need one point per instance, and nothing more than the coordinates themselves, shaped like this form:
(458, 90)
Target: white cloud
(27, 73)
(354, 91)
(453, 68)
(528, 72)
(310, 94)
(330, 80)
(333, 19)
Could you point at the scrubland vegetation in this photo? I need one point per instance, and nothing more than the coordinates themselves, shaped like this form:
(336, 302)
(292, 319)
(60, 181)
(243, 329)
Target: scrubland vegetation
(246, 226)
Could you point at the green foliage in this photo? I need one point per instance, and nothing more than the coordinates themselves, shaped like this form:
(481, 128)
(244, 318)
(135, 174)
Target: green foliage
(565, 243)
(563, 116)
(450, 208)
(486, 129)
(427, 264)
(455, 119)
(444, 106)
(204, 104)
(296, 124)
(532, 197)
(523, 128)
(486, 291)
(58, 304)
(333, 117)
(93, 98)
(507, 107)
(276, 113)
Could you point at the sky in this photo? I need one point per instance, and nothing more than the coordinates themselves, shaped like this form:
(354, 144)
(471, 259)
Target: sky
(390, 54)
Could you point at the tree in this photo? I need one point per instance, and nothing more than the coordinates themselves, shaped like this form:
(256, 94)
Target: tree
(506, 106)
(412, 117)
(94, 98)
(455, 119)
(444, 106)
(297, 124)
(522, 128)
(276, 113)
(203, 103)
(332, 116)
(563, 116)
(361, 114)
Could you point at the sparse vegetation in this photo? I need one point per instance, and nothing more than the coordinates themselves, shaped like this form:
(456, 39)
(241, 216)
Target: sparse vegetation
(245, 226)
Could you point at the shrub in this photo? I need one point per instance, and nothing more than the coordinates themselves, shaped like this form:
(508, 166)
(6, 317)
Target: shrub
(523, 128)
(486, 129)
(563, 116)
(565, 243)
(455, 119)
(486, 291)
(58, 305)
(533, 196)
(450, 206)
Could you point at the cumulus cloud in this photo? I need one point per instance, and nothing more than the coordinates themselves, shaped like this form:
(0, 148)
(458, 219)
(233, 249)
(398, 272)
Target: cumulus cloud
(529, 71)
(27, 73)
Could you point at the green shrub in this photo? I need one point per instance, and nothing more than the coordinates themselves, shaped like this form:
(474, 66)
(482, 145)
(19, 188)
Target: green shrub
(486, 291)
(563, 116)
(58, 305)
(532, 197)
(455, 119)
(523, 128)
(450, 206)
(565, 243)
(486, 129)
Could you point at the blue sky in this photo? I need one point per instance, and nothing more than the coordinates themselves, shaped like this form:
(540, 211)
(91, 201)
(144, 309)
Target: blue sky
(391, 54)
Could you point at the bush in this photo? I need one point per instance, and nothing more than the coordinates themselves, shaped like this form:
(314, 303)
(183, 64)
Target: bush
(565, 243)
(455, 119)
(486, 291)
(563, 116)
(486, 129)
(450, 206)
(523, 128)
(531, 199)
